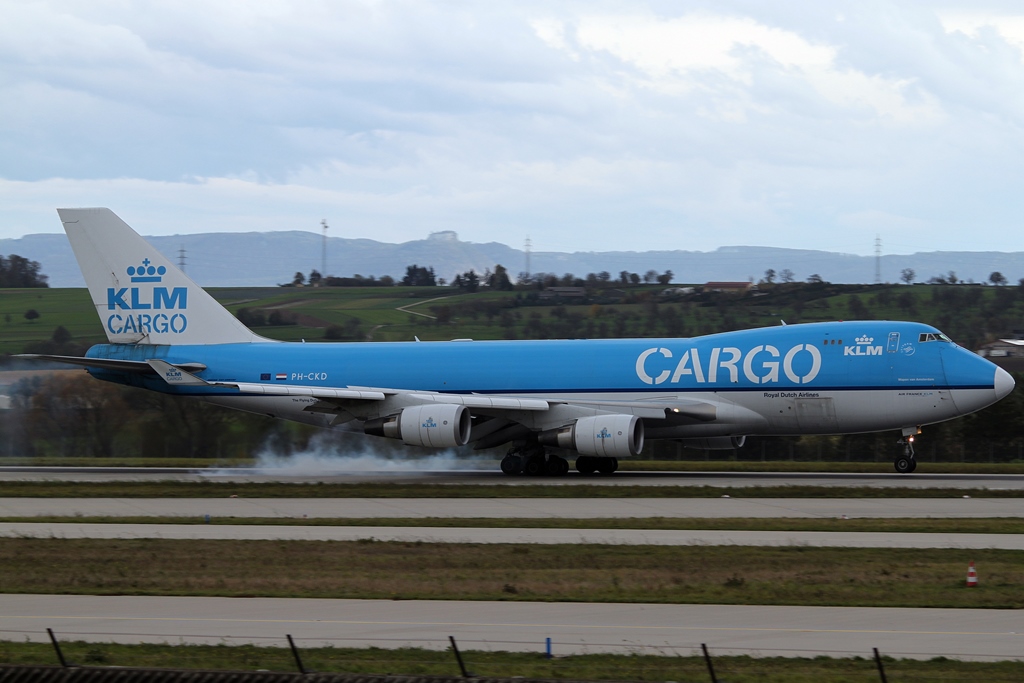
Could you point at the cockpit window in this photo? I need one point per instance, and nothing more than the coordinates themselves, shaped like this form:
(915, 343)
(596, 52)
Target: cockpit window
(932, 336)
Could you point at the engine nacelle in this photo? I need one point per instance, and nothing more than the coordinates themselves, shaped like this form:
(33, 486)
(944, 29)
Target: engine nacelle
(437, 425)
(715, 443)
(618, 436)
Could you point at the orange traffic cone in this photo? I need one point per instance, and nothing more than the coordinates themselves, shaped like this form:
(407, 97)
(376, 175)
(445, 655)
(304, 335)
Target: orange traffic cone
(972, 575)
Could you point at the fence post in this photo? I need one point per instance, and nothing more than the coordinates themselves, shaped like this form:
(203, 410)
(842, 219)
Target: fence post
(881, 669)
(56, 646)
(458, 657)
(295, 653)
(707, 659)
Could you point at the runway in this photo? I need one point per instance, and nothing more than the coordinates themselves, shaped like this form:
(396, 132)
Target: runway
(819, 539)
(491, 475)
(525, 508)
(520, 626)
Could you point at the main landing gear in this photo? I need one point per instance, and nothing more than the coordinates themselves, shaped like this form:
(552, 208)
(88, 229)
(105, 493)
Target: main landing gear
(535, 462)
(905, 463)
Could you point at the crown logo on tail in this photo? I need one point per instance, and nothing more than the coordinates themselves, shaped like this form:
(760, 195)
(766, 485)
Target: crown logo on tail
(146, 272)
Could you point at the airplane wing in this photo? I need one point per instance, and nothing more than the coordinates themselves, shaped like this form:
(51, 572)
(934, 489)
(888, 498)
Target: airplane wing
(699, 410)
(180, 374)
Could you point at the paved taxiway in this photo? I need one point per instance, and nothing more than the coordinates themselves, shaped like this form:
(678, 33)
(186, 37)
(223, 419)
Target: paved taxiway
(520, 626)
(490, 475)
(526, 508)
(254, 532)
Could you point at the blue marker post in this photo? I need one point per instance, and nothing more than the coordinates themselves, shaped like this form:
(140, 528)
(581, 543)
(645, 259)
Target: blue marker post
(548, 654)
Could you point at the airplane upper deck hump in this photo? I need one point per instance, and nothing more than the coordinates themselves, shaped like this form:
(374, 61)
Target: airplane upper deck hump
(141, 297)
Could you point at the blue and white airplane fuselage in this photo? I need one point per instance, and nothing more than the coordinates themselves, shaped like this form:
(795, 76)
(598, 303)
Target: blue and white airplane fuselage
(599, 398)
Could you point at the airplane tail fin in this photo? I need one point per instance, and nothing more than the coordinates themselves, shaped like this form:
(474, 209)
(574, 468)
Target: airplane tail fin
(140, 296)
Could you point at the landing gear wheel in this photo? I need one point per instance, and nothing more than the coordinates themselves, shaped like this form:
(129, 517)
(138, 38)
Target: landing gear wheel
(556, 466)
(512, 464)
(585, 464)
(905, 465)
(534, 466)
(607, 465)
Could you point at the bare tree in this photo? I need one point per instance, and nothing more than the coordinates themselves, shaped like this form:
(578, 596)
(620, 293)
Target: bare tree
(907, 275)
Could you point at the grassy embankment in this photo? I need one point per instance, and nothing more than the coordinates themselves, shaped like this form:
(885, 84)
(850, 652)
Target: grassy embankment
(600, 667)
(370, 569)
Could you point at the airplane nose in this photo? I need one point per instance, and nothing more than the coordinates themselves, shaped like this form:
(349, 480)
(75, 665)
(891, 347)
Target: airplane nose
(1003, 383)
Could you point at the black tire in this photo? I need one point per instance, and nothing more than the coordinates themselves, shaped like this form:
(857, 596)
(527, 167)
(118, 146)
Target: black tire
(512, 464)
(913, 464)
(556, 466)
(607, 465)
(585, 464)
(904, 465)
(534, 467)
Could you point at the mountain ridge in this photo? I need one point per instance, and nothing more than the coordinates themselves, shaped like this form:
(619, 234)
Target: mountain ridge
(269, 258)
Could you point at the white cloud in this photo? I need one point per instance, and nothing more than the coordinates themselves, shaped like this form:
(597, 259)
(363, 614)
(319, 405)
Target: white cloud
(604, 126)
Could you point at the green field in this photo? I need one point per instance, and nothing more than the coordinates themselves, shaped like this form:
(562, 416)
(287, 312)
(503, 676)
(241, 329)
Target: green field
(367, 569)
(963, 311)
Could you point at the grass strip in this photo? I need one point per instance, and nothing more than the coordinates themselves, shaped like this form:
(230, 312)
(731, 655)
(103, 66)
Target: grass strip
(596, 667)
(996, 525)
(797, 575)
(404, 489)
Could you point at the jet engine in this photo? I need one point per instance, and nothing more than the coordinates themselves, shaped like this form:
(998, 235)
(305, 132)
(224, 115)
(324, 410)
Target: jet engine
(434, 425)
(715, 443)
(617, 436)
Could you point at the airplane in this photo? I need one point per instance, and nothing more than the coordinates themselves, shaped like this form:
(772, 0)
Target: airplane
(596, 400)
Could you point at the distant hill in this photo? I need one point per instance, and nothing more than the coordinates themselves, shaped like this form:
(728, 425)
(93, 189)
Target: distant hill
(269, 258)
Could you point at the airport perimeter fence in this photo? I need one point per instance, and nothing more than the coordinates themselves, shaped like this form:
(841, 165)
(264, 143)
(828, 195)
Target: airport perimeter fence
(445, 656)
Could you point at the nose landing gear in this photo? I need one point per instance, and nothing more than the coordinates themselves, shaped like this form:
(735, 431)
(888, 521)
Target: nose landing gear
(905, 463)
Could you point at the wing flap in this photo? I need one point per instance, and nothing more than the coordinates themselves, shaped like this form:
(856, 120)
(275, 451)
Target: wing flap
(656, 410)
(477, 401)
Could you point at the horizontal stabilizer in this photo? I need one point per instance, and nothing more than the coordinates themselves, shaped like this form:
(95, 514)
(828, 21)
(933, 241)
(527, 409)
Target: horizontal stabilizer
(136, 366)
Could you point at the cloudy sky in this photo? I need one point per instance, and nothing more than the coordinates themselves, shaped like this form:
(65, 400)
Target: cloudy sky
(583, 125)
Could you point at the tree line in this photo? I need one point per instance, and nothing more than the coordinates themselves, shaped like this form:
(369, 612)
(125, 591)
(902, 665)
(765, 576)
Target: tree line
(19, 272)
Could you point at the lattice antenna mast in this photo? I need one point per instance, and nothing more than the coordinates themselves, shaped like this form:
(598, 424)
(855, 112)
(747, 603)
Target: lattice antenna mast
(878, 259)
(323, 258)
(181, 258)
(526, 248)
